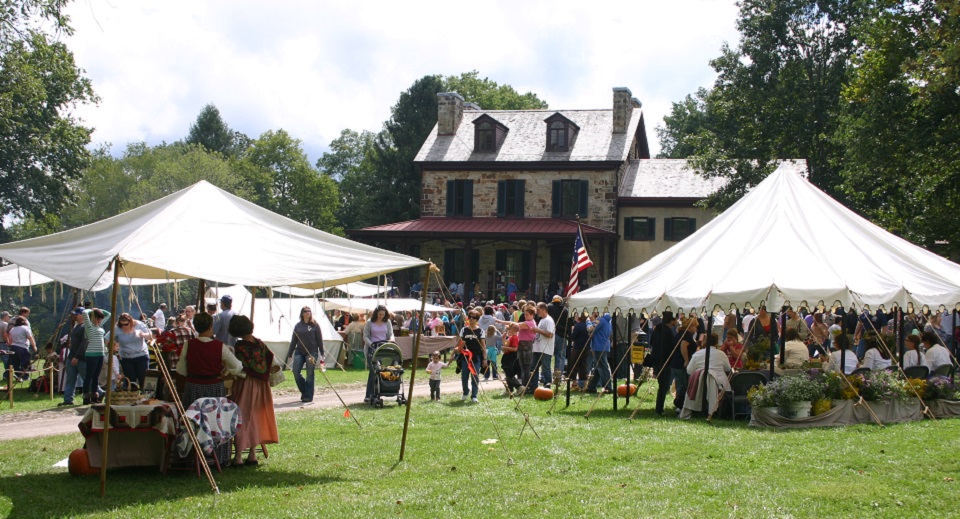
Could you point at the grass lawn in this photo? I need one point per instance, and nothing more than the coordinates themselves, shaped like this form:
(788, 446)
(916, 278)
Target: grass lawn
(605, 466)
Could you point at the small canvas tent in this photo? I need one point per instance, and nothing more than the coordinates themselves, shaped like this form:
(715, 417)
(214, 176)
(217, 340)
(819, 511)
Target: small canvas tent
(203, 232)
(784, 241)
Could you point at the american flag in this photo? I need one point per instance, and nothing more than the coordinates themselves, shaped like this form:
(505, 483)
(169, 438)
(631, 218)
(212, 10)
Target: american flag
(581, 261)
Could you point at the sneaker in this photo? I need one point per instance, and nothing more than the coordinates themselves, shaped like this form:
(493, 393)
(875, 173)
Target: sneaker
(64, 404)
(463, 398)
(474, 400)
(366, 400)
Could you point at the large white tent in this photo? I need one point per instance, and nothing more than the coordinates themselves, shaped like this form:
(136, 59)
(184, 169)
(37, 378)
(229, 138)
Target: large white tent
(357, 289)
(203, 232)
(392, 304)
(17, 276)
(784, 241)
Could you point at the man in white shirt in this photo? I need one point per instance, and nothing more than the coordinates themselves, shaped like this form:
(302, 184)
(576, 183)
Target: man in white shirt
(159, 319)
(936, 354)
(747, 319)
(543, 345)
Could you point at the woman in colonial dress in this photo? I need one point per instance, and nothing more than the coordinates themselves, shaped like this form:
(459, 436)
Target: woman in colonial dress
(252, 393)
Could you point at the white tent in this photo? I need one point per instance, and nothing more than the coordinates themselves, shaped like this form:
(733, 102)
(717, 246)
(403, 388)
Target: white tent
(392, 304)
(357, 289)
(203, 232)
(17, 276)
(784, 241)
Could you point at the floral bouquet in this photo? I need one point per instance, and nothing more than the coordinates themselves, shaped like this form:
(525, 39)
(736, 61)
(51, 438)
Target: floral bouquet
(941, 387)
(883, 385)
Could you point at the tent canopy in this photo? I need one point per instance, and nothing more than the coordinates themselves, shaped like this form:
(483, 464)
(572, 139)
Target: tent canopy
(203, 232)
(357, 289)
(785, 241)
(17, 276)
(392, 304)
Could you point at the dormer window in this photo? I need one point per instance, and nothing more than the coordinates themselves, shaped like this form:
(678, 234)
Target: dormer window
(488, 134)
(561, 133)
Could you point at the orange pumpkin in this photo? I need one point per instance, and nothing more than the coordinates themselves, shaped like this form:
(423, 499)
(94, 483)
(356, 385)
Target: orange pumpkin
(79, 463)
(622, 390)
(543, 393)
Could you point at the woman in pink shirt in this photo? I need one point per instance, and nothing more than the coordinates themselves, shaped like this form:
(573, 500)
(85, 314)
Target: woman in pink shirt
(527, 334)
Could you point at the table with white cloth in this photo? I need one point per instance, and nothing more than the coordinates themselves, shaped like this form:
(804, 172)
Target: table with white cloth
(140, 435)
(428, 345)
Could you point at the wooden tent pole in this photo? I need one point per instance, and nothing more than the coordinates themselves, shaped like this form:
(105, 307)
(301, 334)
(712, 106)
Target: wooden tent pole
(416, 352)
(109, 367)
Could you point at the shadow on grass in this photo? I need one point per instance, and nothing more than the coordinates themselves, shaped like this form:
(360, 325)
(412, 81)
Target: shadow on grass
(33, 495)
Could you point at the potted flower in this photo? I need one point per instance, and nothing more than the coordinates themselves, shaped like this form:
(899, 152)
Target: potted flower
(796, 395)
(883, 386)
(941, 388)
(761, 397)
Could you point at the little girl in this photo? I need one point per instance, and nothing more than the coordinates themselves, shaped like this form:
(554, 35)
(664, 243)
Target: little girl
(511, 367)
(433, 368)
(493, 340)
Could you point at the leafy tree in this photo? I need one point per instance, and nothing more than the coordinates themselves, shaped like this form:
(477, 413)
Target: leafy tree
(489, 95)
(900, 127)
(777, 95)
(42, 146)
(212, 132)
(283, 181)
(348, 162)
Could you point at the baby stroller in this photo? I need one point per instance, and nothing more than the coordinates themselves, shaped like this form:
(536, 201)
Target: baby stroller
(387, 369)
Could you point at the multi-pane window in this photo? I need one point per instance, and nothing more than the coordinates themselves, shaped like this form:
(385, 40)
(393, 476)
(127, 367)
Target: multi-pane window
(676, 229)
(558, 137)
(460, 198)
(486, 137)
(510, 198)
(570, 198)
(639, 228)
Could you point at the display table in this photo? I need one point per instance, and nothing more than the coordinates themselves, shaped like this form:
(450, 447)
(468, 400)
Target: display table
(140, 435)
(849, 412)
(428, 345)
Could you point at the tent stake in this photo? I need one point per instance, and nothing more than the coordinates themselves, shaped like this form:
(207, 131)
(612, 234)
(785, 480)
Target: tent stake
(416, 353)
(109, 366)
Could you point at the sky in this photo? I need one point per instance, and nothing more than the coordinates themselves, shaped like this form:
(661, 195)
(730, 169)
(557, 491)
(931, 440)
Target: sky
(314, 68)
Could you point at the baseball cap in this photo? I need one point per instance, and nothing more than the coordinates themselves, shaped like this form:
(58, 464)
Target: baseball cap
(76, 311)
(226, 299)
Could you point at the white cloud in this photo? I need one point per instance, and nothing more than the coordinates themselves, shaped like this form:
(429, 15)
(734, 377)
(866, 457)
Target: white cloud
(315, 68)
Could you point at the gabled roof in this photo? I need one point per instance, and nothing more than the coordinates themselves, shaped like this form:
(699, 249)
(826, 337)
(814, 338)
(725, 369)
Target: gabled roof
(481, 227)
(486, 118)
(557, 116)
(785, 240)
(676, 178)
(527, 139)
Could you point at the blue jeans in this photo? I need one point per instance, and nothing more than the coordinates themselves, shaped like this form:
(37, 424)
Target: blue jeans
(73, 375)
(602, 380)
(559, 353)
(680, 379)
(470, 381)
(305, 386)
(91, 377)
(545, 373)
(135, 369)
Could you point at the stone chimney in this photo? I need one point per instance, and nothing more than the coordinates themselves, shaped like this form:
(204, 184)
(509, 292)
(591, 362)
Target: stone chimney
(622, 109)
(471, 106)
(449, 112)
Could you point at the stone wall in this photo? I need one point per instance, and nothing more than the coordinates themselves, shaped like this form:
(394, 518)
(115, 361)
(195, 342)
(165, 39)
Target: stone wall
(538, 197)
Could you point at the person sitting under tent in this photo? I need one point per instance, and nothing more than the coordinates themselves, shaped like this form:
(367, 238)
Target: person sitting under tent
(936, 354)
(719, 370)
(841, 343)
(795, 352)
(913, 356)
(876, 356)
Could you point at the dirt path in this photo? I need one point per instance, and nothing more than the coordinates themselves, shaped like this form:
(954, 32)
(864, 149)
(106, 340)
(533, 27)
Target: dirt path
(49, 422)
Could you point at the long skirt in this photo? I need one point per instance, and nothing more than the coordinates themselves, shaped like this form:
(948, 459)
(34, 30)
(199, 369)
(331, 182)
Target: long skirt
(256, 407)
(193, 392)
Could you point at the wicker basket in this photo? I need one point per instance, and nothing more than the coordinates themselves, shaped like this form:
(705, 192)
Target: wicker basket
(129, 397)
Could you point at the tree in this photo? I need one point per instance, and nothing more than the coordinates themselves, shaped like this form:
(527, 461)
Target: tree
(42, 146)
(900, 125)
(211, 131)
(777, 95)
(489, 95)
(283, 181)
(348, 162)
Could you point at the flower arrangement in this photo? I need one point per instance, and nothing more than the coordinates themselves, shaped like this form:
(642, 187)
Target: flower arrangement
(798, 388)
(820, 406)
(758, 350)
(941, 387)
(883, 385)
(761, 396)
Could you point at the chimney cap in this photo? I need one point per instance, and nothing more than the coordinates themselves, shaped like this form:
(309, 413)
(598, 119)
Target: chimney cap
(471, 106)
(636, 103)
(450, 94)
(623, 89)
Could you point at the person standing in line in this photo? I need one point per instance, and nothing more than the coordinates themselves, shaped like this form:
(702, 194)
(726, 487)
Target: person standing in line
(221, 323)
(306, 349)
(93, 356)
(74, 365)
(561, 318)
(543, 345)
(662, 342)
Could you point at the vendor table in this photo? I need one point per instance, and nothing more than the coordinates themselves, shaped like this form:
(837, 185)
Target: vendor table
(428, 345)
(140, 435)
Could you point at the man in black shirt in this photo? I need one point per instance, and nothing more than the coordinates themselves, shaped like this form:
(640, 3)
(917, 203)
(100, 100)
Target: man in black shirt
(662, 343)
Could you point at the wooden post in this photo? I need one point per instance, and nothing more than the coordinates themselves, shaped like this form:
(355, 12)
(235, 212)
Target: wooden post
(416, 353)
(109, 368)
(613, 374)
(10, 385)
(253, 302)
(901, 336)
(52, 369)
(706, 363)
(201, 289)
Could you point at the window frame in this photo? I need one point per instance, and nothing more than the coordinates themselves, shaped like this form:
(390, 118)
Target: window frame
(582, 205)
(632, 228)
(510, 198)
(669, 227)
(459, 190)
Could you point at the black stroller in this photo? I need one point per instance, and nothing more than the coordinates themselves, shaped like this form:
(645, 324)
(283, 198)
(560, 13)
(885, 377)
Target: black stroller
(387, 369)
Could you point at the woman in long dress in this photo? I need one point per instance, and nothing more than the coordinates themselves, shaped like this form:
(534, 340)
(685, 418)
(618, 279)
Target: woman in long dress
(252, 393)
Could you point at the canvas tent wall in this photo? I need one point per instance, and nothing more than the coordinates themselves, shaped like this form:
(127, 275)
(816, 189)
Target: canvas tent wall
(203, 232)
(784, 241)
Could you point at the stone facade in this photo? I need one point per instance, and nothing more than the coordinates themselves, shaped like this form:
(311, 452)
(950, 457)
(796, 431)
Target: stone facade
(601, 207)
(622, 109)
(449, 112)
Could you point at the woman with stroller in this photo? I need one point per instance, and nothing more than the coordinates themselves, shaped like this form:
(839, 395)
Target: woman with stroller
(377, 331)
(252, 393)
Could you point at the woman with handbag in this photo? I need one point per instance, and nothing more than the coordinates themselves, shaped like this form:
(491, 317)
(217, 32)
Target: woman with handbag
(252, 394)
(306, 349)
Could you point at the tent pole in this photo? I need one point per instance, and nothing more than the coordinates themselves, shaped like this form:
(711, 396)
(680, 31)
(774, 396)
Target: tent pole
(201, 289)
(843, 352)
(613, 349)
(898, 324)
(706, 361)
(416, 353)
(773, 329)
(253, 301)
(109, 366)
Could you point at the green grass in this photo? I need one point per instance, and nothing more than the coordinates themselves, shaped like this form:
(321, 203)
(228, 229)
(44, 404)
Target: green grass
(604, 466)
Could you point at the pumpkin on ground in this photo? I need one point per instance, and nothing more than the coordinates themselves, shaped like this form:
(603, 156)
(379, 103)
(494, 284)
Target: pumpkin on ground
(543, 393)
(622, 389)
(79, 463)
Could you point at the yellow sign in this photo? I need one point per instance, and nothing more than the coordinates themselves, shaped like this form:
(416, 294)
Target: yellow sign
(636, 354)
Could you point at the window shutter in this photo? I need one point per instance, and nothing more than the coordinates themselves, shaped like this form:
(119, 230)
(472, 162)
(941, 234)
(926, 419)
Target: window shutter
(628, 228)
(584, 196)
(651, 232)
(668, 229)
(555, 212)
(468, 198)
(501, 198)
(520, 186)
(450, 195)
(501, 261)
(693, 225)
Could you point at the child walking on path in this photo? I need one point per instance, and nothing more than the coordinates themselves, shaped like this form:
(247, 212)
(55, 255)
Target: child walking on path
(494, 340)
(433, 368)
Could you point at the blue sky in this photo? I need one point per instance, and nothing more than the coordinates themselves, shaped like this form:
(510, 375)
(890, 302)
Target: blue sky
(314, 68)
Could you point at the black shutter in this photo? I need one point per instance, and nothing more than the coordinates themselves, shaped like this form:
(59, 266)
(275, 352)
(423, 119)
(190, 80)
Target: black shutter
(451, 193)
(501, 260)
(501, 198)
(557, 194)
(692, 225)
(584, 196)
(468, 198)
(668, 229)
(520, 187)
(628, 228)
(651, 232)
